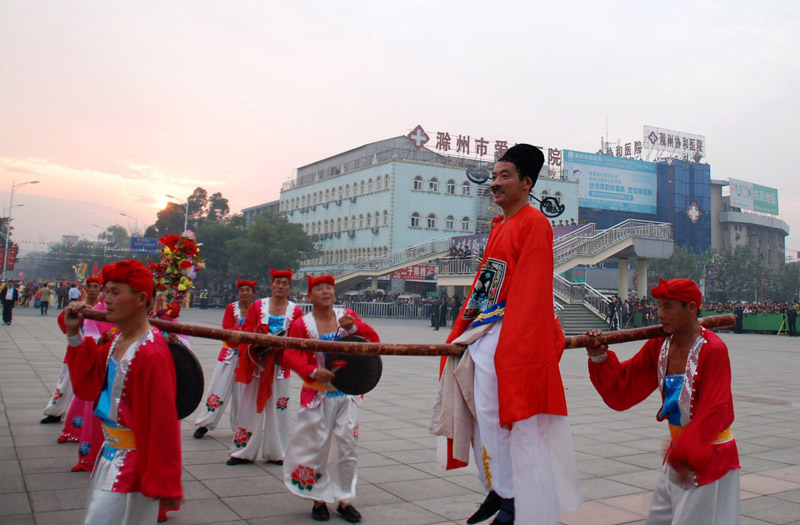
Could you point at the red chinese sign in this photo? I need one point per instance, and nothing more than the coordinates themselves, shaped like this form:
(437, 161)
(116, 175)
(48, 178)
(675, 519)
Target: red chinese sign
(417, 271)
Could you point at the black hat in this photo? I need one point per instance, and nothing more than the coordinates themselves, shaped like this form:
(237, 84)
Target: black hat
(528, 160)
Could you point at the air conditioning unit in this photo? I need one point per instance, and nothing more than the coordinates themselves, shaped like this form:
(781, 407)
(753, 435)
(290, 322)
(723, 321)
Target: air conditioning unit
(351, 233)
(375, 231)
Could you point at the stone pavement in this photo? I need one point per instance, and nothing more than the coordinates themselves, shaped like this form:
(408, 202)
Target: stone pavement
(619, 454)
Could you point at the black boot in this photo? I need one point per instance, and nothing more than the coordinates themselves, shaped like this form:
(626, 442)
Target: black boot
(506, 514)
(200, 432)
(488, 508)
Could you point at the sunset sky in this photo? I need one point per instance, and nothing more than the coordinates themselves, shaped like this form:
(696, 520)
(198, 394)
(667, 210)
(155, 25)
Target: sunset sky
(112, 105)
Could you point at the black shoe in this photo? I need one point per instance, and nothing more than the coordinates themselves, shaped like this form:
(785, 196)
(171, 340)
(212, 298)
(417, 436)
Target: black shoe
(320, 513)
(488, 508)
(506, 514)
(50, 419)
(236, 461)
(200, 432)
(278, 462)
(349, 513)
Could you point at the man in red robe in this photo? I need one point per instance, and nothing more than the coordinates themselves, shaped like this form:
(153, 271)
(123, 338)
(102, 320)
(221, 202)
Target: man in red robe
(132, 380)
(691, 369)
(508, 378)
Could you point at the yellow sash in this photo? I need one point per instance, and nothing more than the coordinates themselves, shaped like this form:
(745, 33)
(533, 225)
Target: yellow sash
(726, 435)
(119, 438)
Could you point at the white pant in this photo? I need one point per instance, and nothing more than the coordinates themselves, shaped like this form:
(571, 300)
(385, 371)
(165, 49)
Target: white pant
(312, 468)
(713, 504)
(535, 461)
(59, 403)
(104, 507)
(270, 430)
(219, 392)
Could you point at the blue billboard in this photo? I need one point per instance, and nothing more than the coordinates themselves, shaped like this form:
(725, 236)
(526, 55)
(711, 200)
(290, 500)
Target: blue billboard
(144, 245)
(612, 183)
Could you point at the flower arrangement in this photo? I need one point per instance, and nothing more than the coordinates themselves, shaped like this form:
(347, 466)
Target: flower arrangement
(174, 273)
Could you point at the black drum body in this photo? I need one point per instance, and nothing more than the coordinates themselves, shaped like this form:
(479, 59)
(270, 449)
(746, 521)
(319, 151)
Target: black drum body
(189, 376)
(355, 374)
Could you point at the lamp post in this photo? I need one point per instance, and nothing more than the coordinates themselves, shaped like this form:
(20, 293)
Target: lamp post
(186, 220)
(136, 220)
(8, 223)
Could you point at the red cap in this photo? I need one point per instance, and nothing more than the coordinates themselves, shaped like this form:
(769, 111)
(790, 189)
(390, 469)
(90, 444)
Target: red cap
(95, 279)
(679, 289)
(313, 281)
(251, 284)
(273, 273)
(133, 273)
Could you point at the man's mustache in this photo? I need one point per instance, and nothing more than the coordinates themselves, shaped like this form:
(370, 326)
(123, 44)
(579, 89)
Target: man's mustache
(495, 189)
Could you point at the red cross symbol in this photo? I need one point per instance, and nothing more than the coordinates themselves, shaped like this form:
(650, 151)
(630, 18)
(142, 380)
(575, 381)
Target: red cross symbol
(694, 213)
(418, 137)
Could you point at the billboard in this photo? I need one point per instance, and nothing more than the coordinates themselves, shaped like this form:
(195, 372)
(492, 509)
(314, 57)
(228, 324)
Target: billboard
(144, 245)
(668, 143)
(416, 272)
(753, 197)
(612, 183)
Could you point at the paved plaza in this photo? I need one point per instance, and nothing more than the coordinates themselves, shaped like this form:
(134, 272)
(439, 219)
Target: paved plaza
(619, 454)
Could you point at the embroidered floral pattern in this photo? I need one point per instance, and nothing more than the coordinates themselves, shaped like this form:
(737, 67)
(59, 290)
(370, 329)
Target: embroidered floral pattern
(282, 403)
(241, 437)
(213, 402)
(83, 449)
(486, 458)
(304, 477)
(77, 421)
(56, 396)
(355, 433)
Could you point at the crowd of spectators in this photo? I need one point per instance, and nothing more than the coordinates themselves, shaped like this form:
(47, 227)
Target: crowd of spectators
(43, 294)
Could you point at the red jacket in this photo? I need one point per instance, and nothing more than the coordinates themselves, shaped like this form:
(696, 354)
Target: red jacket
(623, 385)
(146, 406)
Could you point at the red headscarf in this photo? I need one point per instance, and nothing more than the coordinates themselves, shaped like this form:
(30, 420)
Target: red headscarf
(273, 273)
(680, 289)
(313, 281)
(133, 273)
(251, 284)
(95, 279)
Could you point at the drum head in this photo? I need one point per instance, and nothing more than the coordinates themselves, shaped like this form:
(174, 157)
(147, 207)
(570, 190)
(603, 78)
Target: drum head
(189, 376)
(356, 374)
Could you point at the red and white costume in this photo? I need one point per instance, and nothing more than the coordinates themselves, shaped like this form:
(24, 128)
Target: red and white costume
(519, 427)
(312, 468)
(60, 402)
(221, 386)
(262, 420)
(145, 443)
(703, 439)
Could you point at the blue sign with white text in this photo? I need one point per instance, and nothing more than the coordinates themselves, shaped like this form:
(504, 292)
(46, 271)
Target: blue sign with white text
(144, 245)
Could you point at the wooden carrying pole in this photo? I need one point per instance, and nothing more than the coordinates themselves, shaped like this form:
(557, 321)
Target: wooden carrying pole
(350, 347)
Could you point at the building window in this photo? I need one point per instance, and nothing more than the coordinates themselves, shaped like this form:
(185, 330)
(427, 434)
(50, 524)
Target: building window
(378, 183)
(465, 188)
(558, 196)
(369, 220)
(386, 181)
(327, 195)
(465, 226)
(385, 218)
(369, 186)
(431, 221)
(433, 185)
(415, 220)
(303, 201)
(347, 191)
(339, 224)
(325, 226)
(360, 221)
(450, 223)
(362, 188)
(418, 183)
(355, 189)
(346, 224)
(451, 187)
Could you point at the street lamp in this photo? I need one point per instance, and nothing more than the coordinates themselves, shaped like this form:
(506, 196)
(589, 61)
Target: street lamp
(8, 223)
(136, 219)
(186, 220)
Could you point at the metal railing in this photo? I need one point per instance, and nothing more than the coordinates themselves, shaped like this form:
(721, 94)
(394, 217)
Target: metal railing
(392, 310)
(458, 265)
(409, 255)
(580, 293)
(582, 246)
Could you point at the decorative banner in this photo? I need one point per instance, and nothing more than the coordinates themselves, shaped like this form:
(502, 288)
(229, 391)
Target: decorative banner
(416, 271)
(753, 197)
(612, 183)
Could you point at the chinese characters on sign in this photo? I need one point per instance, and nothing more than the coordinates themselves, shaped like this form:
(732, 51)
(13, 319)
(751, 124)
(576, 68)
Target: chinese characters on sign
(417, 271)
(674, 144)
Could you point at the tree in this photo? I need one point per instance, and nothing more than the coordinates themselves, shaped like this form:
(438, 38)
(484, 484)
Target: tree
(214, 236)
(202, 209)
(269, 242)
(683, 263)
(115, 236)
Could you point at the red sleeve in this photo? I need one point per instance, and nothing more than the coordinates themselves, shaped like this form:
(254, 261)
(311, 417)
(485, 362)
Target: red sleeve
(87, 368)
(712, 409)
(623, 385)
(228, 320)
(363, 329)
(298, 360)
(157, 427)
(253, 317)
